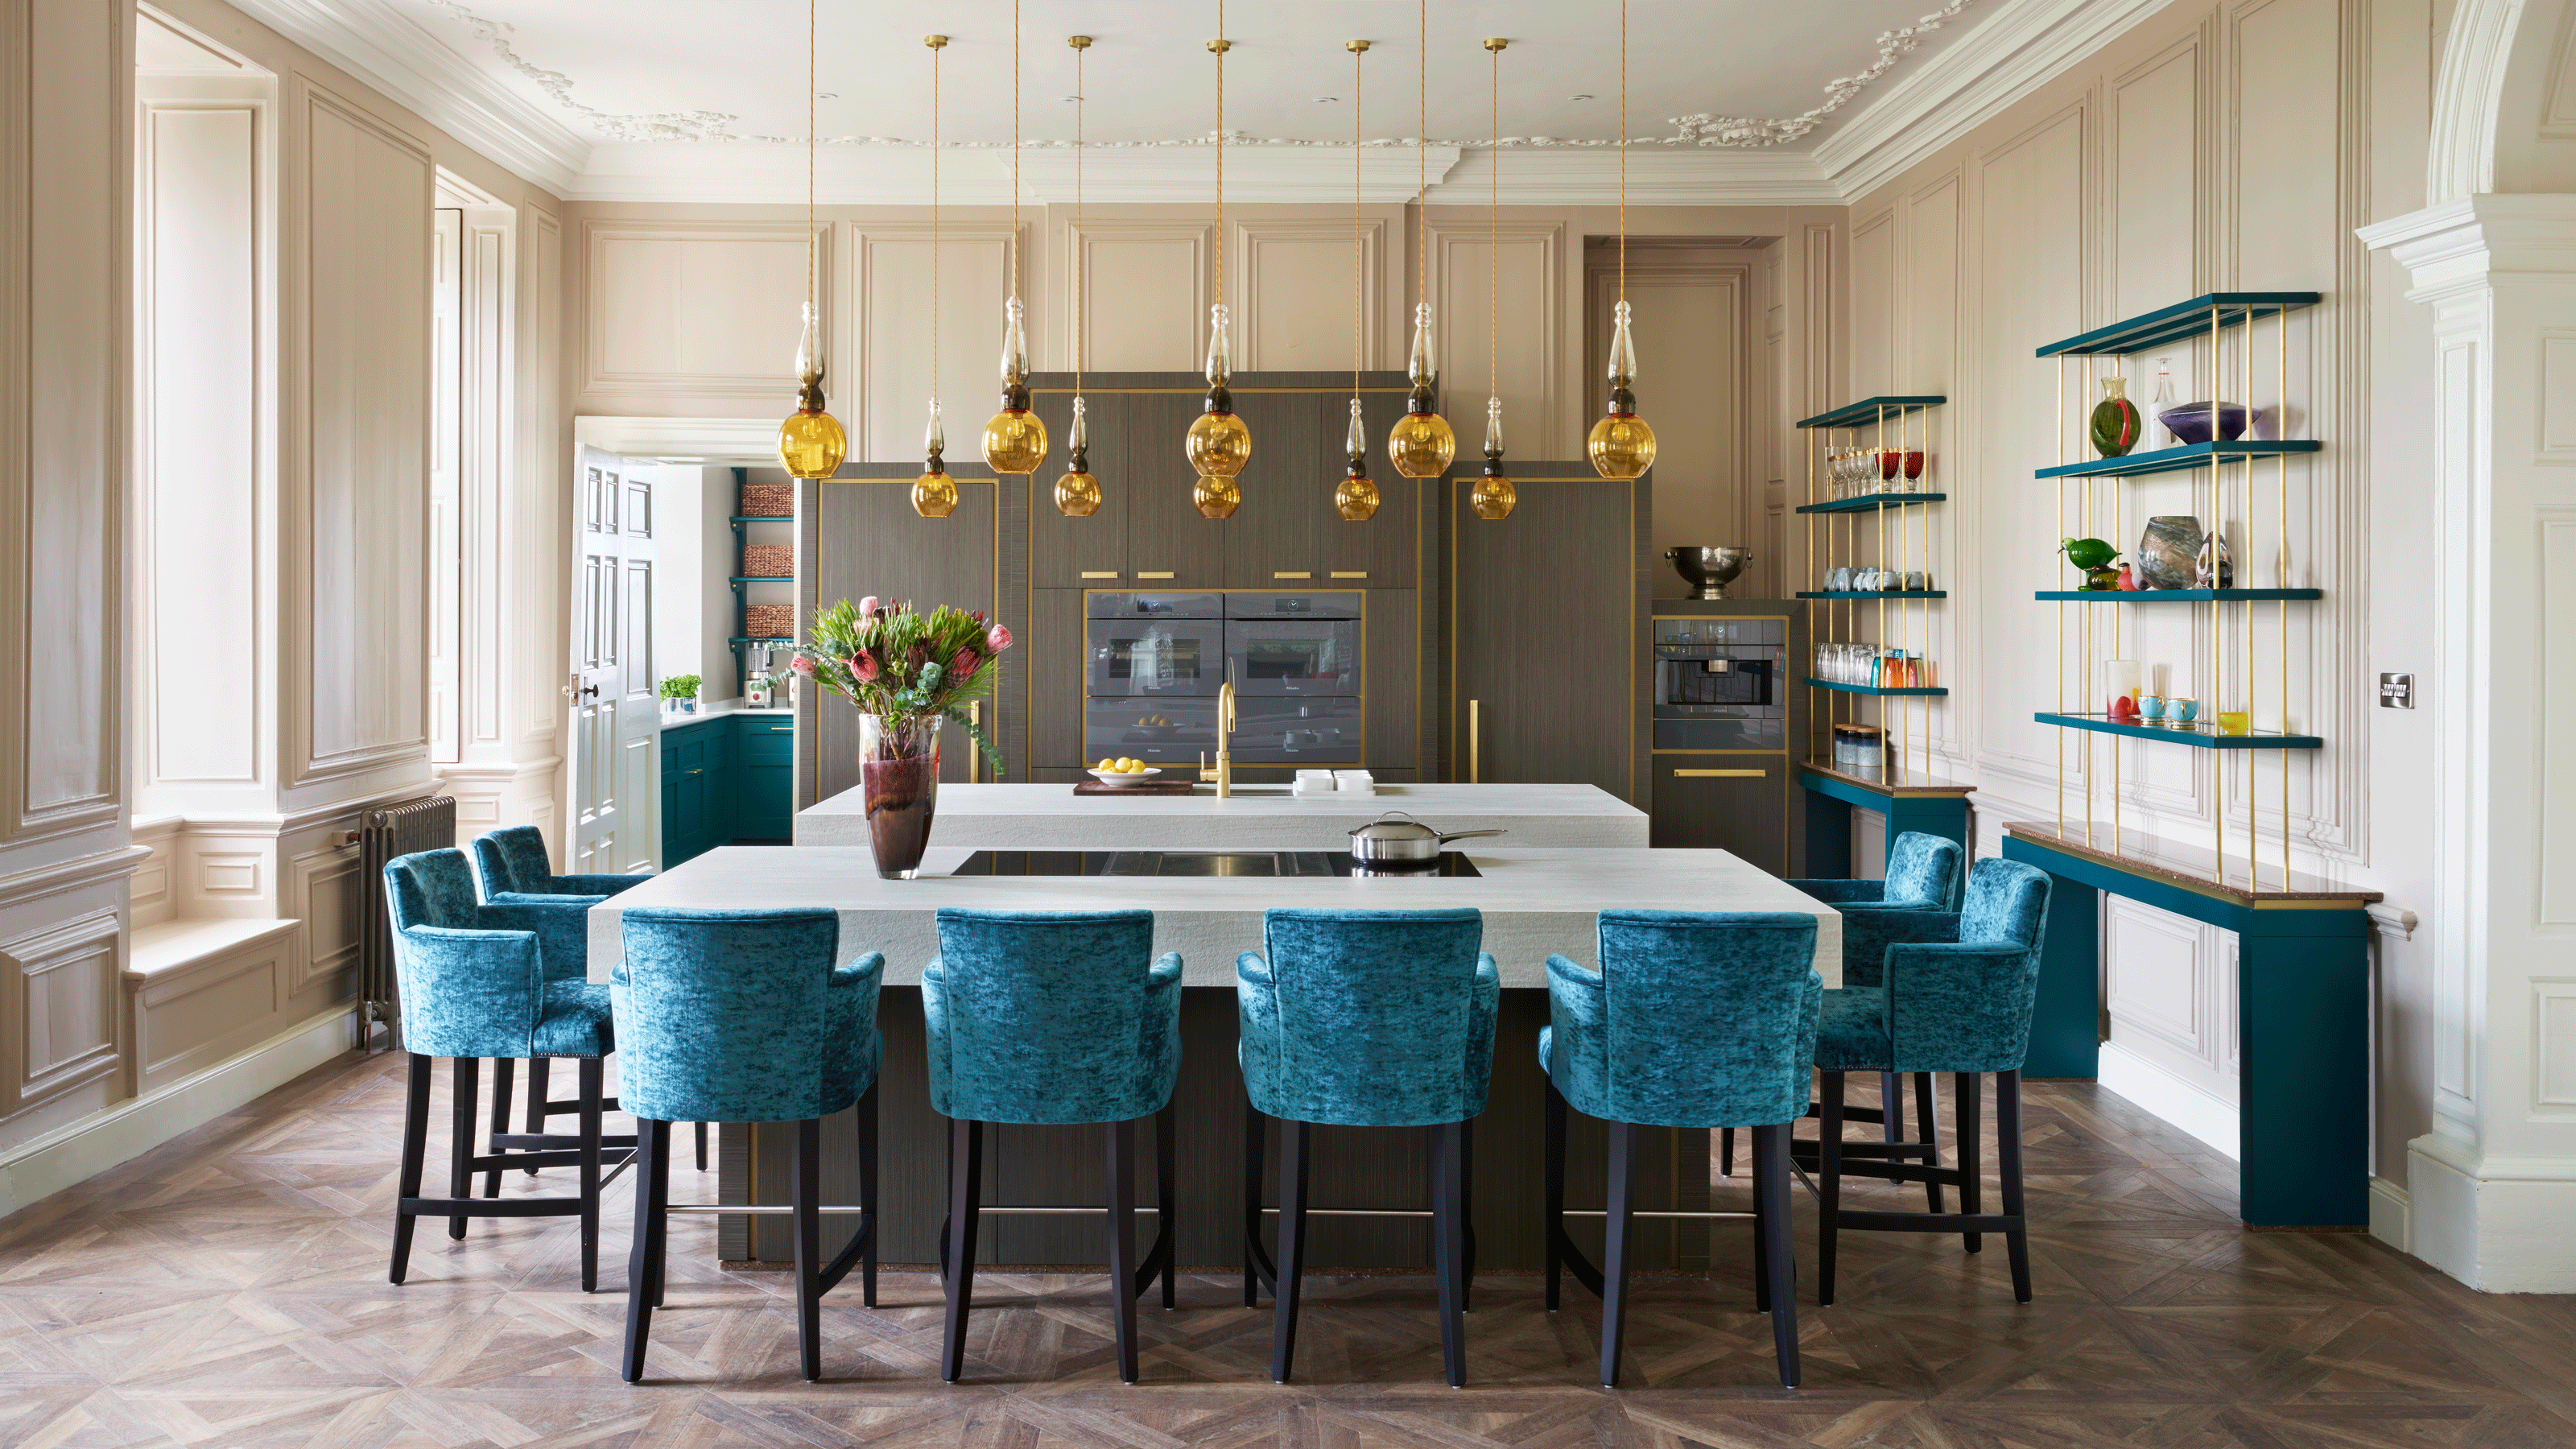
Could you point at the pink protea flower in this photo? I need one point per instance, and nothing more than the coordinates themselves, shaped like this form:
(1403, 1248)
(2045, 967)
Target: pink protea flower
(802, 665)
(999, 637)
(867, 606)
(863, 665)
(963, 666)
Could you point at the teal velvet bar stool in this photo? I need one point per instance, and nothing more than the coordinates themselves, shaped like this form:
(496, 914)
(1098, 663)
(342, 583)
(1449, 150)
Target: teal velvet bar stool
(515, 871)
(742, 1016)
(1365, 1019)
(1953, 993)
(1695, 1020)
(474, 980)
(1052, 1018)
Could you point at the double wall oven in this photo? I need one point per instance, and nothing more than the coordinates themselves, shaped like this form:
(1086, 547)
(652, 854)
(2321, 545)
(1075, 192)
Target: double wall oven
(1153, 664)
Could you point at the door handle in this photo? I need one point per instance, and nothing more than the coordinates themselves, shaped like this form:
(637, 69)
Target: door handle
(1107, 575)
(1718, 774)
(571, 692)
(1165, 574)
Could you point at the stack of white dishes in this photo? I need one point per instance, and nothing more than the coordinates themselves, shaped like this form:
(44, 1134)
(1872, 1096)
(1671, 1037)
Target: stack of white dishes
(1355, 782)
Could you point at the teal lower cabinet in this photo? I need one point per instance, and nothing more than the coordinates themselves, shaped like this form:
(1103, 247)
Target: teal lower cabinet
(1920, 804)
(725, 777)
(2302, 1004)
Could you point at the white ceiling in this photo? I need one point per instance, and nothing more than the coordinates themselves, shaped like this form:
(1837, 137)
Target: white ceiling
(706, 99)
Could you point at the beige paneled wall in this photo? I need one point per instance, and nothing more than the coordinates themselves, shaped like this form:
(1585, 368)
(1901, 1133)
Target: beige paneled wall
(888, 395)
(2215, 147)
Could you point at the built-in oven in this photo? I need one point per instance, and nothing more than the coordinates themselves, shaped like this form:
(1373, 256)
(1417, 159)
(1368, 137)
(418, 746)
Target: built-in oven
(1177, 731)
(1153, 646)
(1720, 683)
(1293, 644)
(1318, 730)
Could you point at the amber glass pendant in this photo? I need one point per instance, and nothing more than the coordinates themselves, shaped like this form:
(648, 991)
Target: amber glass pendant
(1015, 440)
(1218, 444)
(1216, 497)
(934, 493)
(1493, 497)
(1621, 446)
(811, 443)
(1356, 498)
(1421, 444)
(1077, 493)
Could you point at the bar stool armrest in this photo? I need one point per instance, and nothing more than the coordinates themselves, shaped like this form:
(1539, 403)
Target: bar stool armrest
(1842, 892)
(1867, 935)
(1960, 1006)
(490, 987)
(561, 925)
(593, 885)
(865, 973)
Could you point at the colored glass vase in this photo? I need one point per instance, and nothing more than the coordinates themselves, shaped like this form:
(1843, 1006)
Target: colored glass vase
(2117, 424)
(899, 778)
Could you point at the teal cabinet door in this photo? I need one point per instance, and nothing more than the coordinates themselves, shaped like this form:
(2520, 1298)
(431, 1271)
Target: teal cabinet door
(764, 793)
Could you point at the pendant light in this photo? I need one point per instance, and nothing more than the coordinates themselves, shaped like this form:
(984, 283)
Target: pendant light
(810, 443)
(1356, 498)
(934, 493)
(1621, 445)
(1494, 497)
(1015, 440)
(1077, 493)
(1219, 444)
(1421, 444)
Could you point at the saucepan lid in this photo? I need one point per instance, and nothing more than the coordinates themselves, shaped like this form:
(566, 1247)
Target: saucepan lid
(1394, 825)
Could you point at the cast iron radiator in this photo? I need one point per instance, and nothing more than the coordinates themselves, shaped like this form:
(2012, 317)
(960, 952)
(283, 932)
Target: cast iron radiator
(428, 823)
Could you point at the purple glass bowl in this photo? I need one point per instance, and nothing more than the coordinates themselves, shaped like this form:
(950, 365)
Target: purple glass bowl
(2190, 422)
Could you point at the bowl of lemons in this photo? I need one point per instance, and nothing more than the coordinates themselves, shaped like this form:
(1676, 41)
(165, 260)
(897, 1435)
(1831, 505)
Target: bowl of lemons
(1123, 771)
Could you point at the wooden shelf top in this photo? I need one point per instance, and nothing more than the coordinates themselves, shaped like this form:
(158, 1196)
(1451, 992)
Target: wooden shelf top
(1899, 781)
(2190, 867)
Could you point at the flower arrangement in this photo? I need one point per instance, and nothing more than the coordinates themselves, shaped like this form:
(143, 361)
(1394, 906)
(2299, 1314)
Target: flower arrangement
(906, 668)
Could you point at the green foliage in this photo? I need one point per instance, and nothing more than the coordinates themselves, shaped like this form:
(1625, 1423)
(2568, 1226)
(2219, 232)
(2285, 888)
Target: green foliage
(680, 686)
(896, 663)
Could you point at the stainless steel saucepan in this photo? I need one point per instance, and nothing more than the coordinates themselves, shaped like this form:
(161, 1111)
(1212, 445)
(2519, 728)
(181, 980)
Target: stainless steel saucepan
(1397, 839)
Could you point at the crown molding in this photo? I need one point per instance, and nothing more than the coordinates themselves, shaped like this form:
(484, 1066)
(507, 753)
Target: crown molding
(2019, 46)
(380, 45)
(1698, 177)
(730, 171)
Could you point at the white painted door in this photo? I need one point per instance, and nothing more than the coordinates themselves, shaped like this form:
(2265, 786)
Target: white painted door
(615, 716)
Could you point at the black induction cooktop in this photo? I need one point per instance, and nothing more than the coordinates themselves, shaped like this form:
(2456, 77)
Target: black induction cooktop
(1203, 863)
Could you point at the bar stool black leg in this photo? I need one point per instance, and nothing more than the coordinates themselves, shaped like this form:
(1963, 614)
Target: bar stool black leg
(805, 1196)
(1929, 1118)
(593, 1071)
(1760, 1167)
(702, 1146)
(1614, 1247)
(1891, 1106)
(1969, 1088)
(865, 1119)
(1292, 1246)
(1555, 1189)
(415, 1147)
(2008, 1161)
(537, 1088)
(1122, 1244)
(460, 1139)
(1726, 1152)
(1779, 1257)
(1256, 1135)
(1467, 1212)
(1829, 1188)
(1167, 1132)
(501, 1074)
(643, 1264)
(965, 1197)
(1449, 1244)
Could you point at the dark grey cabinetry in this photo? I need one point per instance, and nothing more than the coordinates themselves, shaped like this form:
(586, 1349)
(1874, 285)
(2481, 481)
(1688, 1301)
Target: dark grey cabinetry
(1735, 803)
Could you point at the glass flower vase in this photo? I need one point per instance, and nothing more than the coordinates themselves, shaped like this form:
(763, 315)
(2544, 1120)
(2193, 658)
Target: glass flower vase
(899, 781)
(2116, 424)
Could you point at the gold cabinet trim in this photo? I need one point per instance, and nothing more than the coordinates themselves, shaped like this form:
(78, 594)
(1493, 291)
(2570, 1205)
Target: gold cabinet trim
(1720, 774)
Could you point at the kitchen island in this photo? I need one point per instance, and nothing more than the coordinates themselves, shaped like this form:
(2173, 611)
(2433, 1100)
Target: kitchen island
(1256, 817)
(1535, 901)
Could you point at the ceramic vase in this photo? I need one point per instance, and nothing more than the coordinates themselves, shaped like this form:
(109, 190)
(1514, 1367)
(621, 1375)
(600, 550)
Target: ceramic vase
(2167, 551)
(899, 781)
(2213, 566)
(2117, 424)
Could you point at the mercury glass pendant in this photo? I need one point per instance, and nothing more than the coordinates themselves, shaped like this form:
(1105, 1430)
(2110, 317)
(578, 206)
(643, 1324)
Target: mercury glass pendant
(1015, 440)
(811, 443)
(1219, 444)
(1621, 445)
(1421, 444)
(934, 493)
(1493, 497)
(1077, 493)
(1356, 499)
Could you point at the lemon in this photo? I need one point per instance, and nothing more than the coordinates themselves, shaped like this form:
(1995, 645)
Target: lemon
(1135, 767)
(1106, 763)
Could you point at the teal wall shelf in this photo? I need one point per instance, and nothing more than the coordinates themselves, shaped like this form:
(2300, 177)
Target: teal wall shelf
(1870, 688)
(2175, 460)
(2200, 734)
(2179, 321)
(2174, 596)
(1871, 503)
(742, 646)
(759, 641)
(763, 517)
(1882, 594)
(1871, 410)
(740, 579)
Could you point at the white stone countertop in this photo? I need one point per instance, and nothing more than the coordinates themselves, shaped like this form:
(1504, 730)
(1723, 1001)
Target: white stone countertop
(672, 721)
(1256, 817)
(1535, 901)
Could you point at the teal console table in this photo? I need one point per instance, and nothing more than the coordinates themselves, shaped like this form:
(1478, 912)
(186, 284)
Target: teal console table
(2302, 1008)
(1915, 802)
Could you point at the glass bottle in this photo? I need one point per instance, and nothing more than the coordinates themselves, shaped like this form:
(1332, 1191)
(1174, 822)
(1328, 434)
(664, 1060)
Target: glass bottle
(1015, 440)
(2164, 402)
(1219, 444)
(2116, 425)
(1356, 498)
(811, 443)
(1421, 444)
(1621, 446)
(1077, 493)
(934, 493)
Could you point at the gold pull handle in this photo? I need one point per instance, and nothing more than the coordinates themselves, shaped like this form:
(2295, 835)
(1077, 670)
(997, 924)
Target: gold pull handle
(693, 772)
(1350, 573)
(974, 756)
(1475, 725)
(1717, 774)
(1300, 575)
(1110, 575)
(1140, 573)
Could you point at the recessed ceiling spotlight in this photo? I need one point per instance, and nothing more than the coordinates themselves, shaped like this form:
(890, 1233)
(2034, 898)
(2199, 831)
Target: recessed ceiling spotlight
(1326, 100)
(827, 95)
(1069, 100)
(1578, 98)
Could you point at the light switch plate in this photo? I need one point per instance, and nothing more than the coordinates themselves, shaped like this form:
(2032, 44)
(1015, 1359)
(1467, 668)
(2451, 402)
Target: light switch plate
(2397, 691)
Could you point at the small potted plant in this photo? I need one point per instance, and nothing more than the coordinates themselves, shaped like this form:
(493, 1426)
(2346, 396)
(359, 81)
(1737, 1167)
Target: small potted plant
(680, 694)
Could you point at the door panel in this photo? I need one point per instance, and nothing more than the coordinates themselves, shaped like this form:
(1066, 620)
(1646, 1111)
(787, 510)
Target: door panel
(613, 734)
(1736, 803)
(1073, 553)
(1168, 545)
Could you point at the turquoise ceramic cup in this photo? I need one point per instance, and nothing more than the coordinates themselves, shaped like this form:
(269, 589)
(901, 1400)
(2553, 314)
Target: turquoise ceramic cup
(2151, 707)
(2181, 711)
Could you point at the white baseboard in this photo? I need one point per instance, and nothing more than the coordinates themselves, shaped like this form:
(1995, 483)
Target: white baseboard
(81, 1150)
(2177, 1100)
(2388, 1215)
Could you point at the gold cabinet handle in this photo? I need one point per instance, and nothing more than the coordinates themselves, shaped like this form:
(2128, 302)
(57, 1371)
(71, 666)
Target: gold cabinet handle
(693, 772)
(1350, 573)
(1140, 573)
(1300, 575)
(1718, 774)
(1475, 726)
(974, 756)
(1109, 575)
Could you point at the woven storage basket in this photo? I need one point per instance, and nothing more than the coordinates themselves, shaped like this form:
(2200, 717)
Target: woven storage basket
(768, 500)
(769, 621)
(769, 560)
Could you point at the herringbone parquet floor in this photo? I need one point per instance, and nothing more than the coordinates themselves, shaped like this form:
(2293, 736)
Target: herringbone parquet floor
(228, 1289)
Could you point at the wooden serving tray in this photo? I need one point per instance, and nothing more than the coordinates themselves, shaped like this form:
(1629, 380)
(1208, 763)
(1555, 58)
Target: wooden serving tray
(1149, 787)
